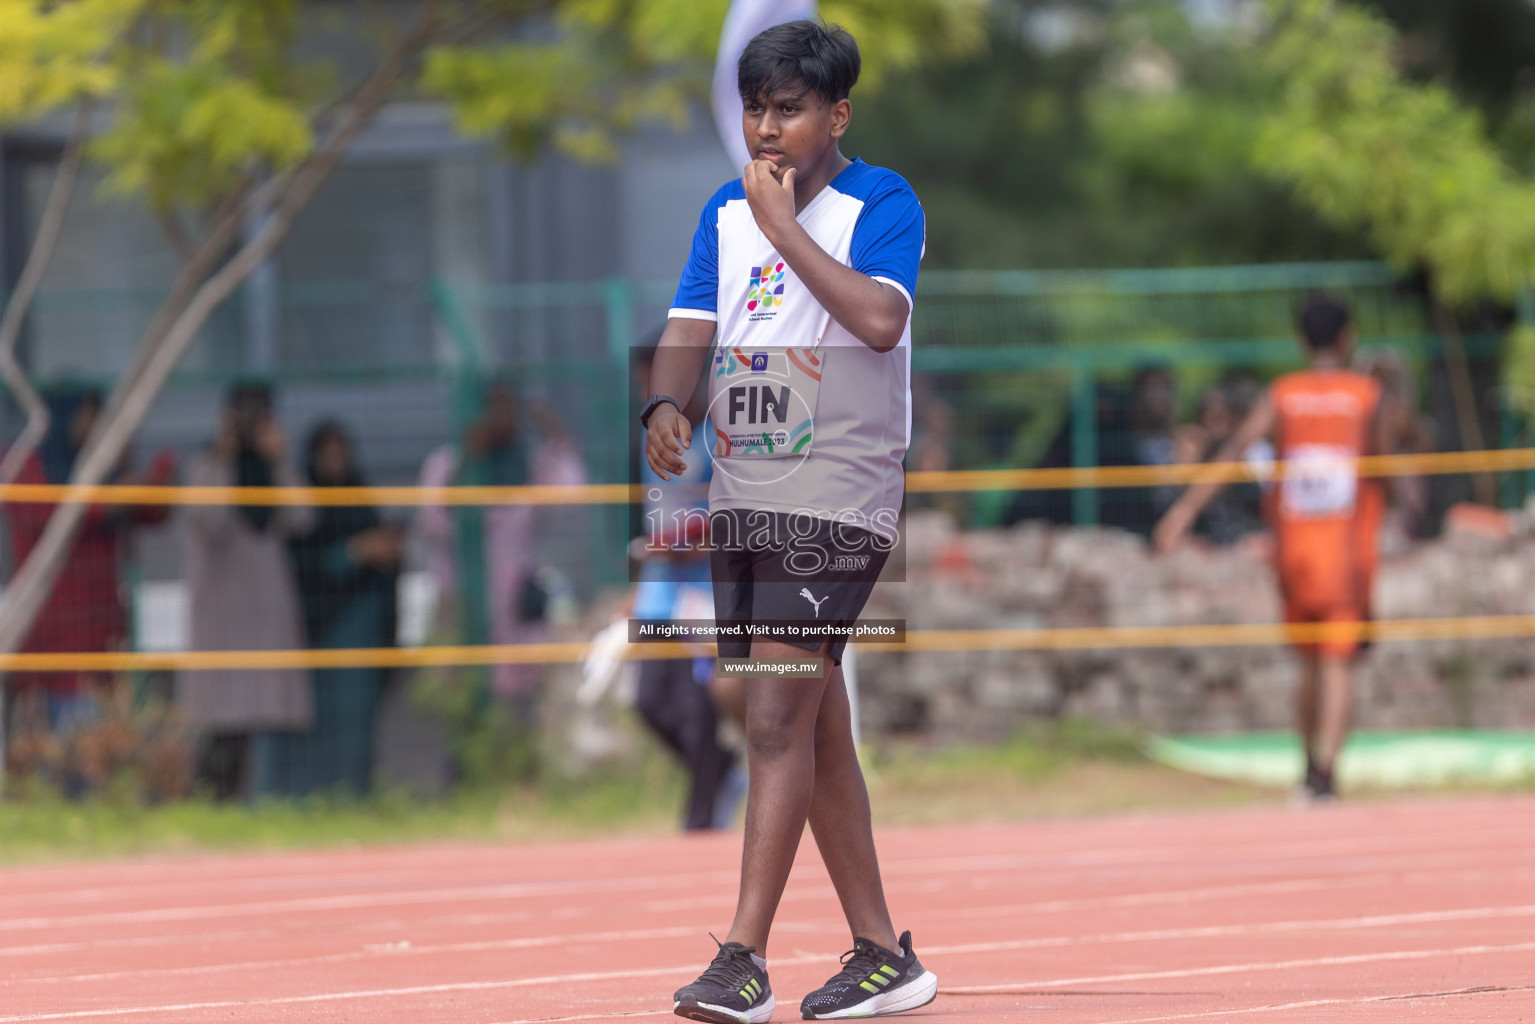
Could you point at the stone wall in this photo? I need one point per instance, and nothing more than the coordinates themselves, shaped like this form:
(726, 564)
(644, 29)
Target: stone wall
(1036, 576)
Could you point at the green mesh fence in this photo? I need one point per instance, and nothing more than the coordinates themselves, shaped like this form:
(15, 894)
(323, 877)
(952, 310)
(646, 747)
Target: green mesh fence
(1011, 369)
(1028, 368)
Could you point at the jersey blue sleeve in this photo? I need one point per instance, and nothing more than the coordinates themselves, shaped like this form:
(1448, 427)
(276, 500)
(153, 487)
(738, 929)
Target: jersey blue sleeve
(890, 235)
(698, 292)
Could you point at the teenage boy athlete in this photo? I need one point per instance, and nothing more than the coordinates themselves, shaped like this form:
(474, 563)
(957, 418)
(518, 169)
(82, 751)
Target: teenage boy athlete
(807, 263)
(1322, 420)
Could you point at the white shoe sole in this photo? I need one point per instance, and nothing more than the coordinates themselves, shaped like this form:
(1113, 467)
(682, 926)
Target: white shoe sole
(920, 991)
(724, 1015)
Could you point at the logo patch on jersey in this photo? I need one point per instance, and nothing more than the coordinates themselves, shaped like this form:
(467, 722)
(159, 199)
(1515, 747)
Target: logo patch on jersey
(765, 295)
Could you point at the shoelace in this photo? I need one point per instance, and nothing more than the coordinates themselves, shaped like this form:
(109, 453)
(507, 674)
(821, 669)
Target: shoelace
(732, 965)
(858, 963)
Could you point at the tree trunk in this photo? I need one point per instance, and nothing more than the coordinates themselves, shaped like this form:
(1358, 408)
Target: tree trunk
(158, 355)
(1467, 419)
(11, 371)
(15, 377)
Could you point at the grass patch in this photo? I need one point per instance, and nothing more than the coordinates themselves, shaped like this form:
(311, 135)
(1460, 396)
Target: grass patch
(642, 797)
(1051, 770)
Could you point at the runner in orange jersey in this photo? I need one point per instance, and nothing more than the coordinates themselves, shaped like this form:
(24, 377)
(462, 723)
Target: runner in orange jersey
(1322, 420)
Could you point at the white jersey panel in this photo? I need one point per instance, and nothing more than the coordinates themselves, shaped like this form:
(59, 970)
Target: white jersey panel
(866, 218)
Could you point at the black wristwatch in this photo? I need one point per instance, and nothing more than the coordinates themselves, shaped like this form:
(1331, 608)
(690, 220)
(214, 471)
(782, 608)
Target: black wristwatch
(654, 403)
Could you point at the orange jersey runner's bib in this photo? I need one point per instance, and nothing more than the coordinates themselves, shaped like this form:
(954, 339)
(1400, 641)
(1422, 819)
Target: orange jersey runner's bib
(1323, 422)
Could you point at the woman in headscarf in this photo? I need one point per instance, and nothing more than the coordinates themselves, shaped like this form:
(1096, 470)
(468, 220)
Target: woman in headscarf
(243, 598)
(348, 568)
(86, 610)
(483, 560)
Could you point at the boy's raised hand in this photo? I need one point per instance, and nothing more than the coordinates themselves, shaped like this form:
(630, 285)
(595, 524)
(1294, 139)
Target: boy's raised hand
(771, 200)
(669, 434)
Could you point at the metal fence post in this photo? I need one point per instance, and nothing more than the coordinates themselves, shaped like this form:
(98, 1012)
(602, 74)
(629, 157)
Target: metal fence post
(1524, 307)
(1084, 438)
(469, 522)
(611, 524)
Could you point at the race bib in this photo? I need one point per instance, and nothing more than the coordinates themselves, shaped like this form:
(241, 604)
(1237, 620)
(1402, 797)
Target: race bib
(1320, 481)
(762, 402)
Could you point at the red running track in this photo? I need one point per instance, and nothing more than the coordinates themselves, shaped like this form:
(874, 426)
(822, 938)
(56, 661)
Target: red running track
(1368, 912)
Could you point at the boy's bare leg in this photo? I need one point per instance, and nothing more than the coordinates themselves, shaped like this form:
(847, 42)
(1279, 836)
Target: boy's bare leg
(1307, 704)
(1336, 704)
(780, 748)
(839, 819)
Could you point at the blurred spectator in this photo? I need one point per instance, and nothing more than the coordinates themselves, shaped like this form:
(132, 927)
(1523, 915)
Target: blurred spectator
(1397, 505)
(1154, 401)
(1113, 445)
(677, 698)
(1133, 426)
(1153, 404)
(243, 598)
(1237, 510)
(931, 451)
(348, 567)
(674, 697)
(1213, 422)
(87, 609)
(495, 547)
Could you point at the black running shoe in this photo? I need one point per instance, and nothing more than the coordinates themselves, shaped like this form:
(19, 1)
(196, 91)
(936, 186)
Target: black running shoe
(734, 990)
(1313, 776)
(873, 982)
(1320, 787)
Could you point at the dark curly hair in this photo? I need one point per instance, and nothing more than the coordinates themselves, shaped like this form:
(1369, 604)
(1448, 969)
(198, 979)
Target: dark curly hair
(821, 58)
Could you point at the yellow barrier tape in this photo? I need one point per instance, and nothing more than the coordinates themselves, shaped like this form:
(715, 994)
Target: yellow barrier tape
(1492, 627)
(1106, 477)
(1103, 477)
(147, 494)
(1255, 634)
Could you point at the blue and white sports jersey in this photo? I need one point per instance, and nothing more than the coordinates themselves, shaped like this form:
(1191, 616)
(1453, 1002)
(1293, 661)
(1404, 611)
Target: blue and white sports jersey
(869, 219)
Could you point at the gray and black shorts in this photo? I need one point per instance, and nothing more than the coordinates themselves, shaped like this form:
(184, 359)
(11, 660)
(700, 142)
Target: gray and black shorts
(775, 567)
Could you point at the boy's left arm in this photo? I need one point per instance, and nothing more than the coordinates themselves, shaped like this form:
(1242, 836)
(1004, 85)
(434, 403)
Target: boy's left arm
(873, 311)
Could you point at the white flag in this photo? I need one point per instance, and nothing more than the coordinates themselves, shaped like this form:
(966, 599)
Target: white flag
(745, 20)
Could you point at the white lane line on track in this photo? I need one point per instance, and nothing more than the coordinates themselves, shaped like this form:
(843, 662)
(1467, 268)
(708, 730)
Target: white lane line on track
(356, 901)
(682, 971)
(1217, 931)
(508, 891)
(1272, 1008)
(376, 951)
(1066, 858)
(797, 894)
(198, 938)
(1000, 946)
(685, 970)
(1313, 1003)
(1213, 853)
(666, 1015)
(1440, 880)
(1262, 965)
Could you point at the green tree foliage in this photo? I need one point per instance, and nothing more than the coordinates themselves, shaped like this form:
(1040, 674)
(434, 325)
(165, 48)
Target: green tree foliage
(1406, 161)
(1094, 133)
(616, 62)
(54, 54)
(1482, 49)
(207, 96)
